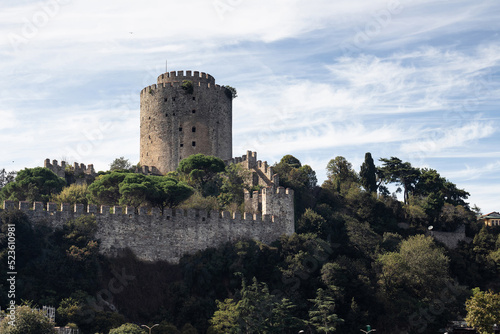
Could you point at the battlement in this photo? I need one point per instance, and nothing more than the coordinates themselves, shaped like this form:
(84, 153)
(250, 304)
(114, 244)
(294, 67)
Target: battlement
(153, 235)
(148, 170)
(179, 76)
(152, 89)
(264, 173)
(77, 169)
(168, 214)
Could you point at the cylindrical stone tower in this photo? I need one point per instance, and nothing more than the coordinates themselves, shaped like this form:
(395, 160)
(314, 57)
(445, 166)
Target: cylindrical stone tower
(184, 115)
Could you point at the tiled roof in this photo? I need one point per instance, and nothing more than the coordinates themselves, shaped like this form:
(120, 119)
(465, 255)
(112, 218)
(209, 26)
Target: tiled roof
(491, 215)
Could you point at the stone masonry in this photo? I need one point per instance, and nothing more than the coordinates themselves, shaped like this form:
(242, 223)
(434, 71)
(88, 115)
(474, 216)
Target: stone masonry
(176, 123)
(153, 236)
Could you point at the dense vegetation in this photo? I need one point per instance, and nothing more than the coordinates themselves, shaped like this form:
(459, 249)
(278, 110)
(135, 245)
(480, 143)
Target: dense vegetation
(360, 256)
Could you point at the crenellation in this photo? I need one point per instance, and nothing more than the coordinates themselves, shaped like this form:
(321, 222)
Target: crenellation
(156, 212)
(129, 210)
(185, 232)
(51, 207)
(38, 207)
(79, 208)
(65, 207)
(92, 208)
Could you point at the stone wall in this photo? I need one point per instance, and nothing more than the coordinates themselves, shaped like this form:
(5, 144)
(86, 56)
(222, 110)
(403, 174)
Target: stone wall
(76, 173)
(154, 236)
(451, 239)
(176, 124)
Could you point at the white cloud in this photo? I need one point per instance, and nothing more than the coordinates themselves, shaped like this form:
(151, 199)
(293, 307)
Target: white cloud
(442, 139)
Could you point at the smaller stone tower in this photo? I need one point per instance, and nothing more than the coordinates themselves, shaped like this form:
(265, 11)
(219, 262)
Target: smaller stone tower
(184, 114)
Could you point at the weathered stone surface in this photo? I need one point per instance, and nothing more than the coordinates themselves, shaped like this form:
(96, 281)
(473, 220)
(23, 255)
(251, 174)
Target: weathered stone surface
(176, 124)
(168, 236)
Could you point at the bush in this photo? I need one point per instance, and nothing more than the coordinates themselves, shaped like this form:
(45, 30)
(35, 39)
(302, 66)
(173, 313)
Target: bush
(127, 328)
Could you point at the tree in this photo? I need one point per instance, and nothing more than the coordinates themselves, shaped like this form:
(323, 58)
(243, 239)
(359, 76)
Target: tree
(322, 315)
(33, 184)
(368, 175)
(136, 189)
(200, 170)
(6, 177)
(127, 328)
(169, 192)
(27, 321)
(73, 194)
(257, 311)
(483, 310)
(413, 279)
(301, 178)
(402, 173)
(105, 190)
(120, 164)
(340, 173)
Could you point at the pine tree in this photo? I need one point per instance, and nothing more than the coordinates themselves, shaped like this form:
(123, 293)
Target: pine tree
(368, 174)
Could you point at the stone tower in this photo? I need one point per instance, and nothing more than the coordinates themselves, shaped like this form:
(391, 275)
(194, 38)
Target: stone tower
(183, 115)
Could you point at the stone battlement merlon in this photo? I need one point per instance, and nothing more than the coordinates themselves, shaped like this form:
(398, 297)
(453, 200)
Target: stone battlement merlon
(105, 210)
(179, 76)
(250, 162)
(60, 170)
(155, 87)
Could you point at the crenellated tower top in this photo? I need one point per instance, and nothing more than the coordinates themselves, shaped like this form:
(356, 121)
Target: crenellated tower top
(194, 76)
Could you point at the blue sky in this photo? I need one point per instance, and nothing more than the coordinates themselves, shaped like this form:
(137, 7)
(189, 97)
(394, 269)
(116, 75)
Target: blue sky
(414, 79)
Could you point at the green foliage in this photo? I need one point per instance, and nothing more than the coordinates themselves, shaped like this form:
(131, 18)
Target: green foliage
(120, 164)
(6, 177)
(28, 321)
(105, 190)
(137, 189)
(368, 175)
(73, 194)
(231, 92)
(340, 173)
(347, 244)
(33, 184)
(302, 179)
(233, 185)
(399, 172)
(322, 315)
(311, 222)
(201, 171)
(256, 311)
(483, 310)
(127, 328)
(187, 85)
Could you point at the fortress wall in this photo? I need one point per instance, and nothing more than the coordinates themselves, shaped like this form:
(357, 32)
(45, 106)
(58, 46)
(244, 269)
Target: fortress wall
(262, 173)
(153, 236)
(450, 239)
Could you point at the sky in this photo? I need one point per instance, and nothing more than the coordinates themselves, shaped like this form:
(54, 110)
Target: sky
(414, 79)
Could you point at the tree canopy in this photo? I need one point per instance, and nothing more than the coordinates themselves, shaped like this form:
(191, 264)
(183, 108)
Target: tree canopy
(33, 184)
(28, 321)
(483, 310)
